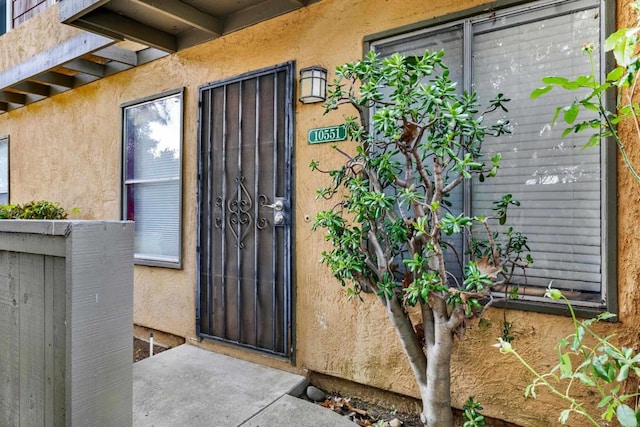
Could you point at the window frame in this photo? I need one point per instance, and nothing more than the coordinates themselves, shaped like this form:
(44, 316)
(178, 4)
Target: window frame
(146, 260)
(8, 9)
(5, 138)
(608, 182)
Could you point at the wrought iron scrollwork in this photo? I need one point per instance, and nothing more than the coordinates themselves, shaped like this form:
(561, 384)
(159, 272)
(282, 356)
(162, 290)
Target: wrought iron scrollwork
(262, 222)
(240, 213)
(218, 220)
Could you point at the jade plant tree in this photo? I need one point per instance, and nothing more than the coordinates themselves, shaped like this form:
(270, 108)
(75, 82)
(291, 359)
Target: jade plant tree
(415, 139)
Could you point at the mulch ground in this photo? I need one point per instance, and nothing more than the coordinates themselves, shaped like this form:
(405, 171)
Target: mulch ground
(141, 349)
(366, 414)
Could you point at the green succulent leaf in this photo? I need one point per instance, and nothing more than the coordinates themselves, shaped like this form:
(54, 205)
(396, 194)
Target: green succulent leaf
(626, 416)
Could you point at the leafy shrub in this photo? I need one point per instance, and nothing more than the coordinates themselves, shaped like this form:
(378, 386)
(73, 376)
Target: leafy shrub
(594, 361)
(416, 138)
(33, 210)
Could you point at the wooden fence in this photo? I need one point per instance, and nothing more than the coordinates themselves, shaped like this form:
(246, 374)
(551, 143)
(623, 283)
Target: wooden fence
(66, 320)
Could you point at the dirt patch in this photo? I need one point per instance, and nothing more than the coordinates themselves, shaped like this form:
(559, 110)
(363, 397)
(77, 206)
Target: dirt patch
(366, 414)
(141, 349)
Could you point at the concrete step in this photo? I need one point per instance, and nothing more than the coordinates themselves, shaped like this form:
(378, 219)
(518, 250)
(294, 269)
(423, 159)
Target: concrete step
(187, 386)
(289, 411)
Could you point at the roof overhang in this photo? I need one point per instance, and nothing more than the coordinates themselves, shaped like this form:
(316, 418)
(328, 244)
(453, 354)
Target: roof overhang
(171, 25)
(72, 63)
(121, 34)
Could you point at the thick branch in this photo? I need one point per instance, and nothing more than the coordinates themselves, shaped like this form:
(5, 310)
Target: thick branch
(377, 248)
(409, 340)
(494, 248)
(423, 173)
(434, 235)
(456, 318)
(453, 184)
(437, 180)
(427, 324)
(439, 308)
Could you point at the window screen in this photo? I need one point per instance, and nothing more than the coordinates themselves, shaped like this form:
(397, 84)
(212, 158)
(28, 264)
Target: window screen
(152, 176)
(554, 178)
(557, 181)
(4, 171)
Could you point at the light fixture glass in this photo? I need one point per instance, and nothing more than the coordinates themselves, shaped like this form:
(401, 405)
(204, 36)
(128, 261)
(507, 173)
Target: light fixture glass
(313, 84)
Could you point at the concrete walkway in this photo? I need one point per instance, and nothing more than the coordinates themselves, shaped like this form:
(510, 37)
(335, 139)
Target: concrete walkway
(191, 387)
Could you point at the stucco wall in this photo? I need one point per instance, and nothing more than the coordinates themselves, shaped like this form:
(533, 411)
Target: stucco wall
(68, 149)
(26, 39)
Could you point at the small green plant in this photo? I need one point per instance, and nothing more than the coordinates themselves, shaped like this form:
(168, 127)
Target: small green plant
(33, 210)
(586, 357)
(471, 414)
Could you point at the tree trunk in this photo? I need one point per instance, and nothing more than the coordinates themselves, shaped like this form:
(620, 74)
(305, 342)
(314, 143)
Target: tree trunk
(437, 402)
(431, 370)
(410, 343)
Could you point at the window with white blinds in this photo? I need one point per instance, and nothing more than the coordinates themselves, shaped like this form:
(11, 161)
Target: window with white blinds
(558, 182)
(4, 170)
(152, 141)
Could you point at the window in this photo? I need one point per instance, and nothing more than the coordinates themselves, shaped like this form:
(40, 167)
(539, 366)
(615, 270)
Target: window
(4, 170)
(564, 194)
(5, 15)
(152, 177)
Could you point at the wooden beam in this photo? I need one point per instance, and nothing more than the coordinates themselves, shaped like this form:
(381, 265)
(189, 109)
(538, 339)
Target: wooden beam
(32, 88)
(4, 107)
(12, 97)
(129, 29)
(118, 54)
(53, 78)
(71, 10)
(184, 13)
(64, 52)
(260, 12)
(85, 67)
(88, 26)
(150, 54)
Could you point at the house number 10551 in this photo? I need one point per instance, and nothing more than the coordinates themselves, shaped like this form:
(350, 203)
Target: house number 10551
(328, 134)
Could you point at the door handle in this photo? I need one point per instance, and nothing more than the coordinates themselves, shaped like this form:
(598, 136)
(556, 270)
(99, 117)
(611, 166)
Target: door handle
(278, 205)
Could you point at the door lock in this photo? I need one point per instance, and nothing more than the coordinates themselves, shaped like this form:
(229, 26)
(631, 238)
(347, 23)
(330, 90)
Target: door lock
(278, 205)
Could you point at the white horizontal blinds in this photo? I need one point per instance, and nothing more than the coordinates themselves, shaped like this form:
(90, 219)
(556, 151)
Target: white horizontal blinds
(449, 40)
(4, 171)
(152, 176)
(157, 216)
(554, 178)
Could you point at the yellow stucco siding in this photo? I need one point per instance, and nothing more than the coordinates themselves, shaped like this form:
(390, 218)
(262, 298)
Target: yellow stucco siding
(38, 34)
(68, 149)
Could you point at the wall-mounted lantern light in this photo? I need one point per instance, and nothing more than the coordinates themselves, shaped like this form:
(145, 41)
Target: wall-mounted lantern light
(313, 84)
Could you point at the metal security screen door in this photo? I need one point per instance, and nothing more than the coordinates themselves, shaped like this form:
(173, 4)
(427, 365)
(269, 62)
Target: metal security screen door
(244, 280)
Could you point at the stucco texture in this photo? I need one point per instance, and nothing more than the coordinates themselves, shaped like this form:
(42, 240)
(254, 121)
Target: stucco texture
(68, 149)
(27, 40)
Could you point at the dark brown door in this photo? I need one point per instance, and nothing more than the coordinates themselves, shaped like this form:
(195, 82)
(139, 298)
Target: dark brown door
(244, 198)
